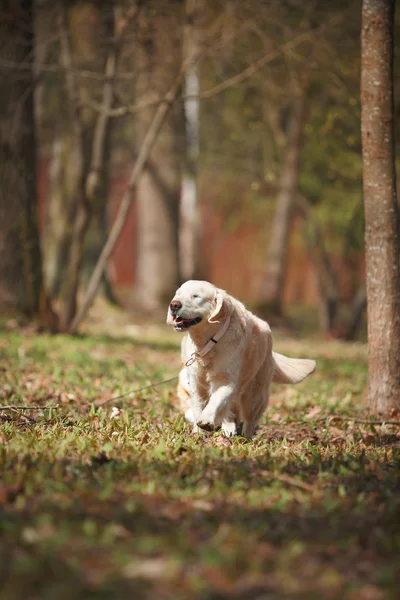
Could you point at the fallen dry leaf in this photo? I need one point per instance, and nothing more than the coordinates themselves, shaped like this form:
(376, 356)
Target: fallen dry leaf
(336, 432)
(313, 412)
(151, 568)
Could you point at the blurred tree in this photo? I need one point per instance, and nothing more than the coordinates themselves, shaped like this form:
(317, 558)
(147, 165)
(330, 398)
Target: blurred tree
(322, 262)
(110, 38)
(20, 256)
(382, 234)
(331, 318)
(271, 294)
(163, 105)
(190, 254)
(246, 81)
(158, 56)
(301, 68)
(244, 130)
(78, 175)
(330, 181)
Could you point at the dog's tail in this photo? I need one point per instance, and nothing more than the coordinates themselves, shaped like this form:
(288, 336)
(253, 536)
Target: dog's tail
(291, 370)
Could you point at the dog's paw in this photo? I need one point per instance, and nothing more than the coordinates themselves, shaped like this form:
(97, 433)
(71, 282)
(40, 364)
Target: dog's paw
(229, 429)
(205, 423)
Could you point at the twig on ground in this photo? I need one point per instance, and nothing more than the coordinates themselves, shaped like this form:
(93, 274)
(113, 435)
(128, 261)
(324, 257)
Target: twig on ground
(340, 418)
(291, 481)
(12, 407)
(355, 420)
(24, 417)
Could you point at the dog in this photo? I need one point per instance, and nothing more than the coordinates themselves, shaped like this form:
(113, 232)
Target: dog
(228, 362)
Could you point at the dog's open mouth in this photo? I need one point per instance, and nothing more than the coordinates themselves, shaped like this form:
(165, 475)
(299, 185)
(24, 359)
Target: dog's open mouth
(181, 324)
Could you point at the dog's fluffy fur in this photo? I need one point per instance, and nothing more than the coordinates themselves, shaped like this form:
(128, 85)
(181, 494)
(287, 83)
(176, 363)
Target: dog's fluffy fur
(229, 386)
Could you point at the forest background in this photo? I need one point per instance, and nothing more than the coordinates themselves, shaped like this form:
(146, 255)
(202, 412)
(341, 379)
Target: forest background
(254, 180)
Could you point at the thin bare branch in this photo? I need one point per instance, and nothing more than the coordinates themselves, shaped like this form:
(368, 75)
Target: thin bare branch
(84, 73)
(119, 222)
(122, 25)
(122, 111)
(324, 259)
(99, 136)
(145, 149)
(260, 63)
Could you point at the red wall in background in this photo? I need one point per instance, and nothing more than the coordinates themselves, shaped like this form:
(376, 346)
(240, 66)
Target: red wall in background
(123, 258)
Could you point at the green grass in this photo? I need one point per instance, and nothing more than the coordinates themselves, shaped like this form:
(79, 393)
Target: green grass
(138, 507)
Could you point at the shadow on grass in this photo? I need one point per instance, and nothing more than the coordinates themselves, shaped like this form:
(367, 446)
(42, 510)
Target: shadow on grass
(78, 538)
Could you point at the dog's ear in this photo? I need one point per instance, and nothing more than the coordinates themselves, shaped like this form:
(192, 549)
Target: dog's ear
(219, 302)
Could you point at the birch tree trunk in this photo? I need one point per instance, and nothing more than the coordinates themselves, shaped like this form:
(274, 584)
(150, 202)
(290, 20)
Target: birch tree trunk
(20, 257)
(271, 294)
(157, 196)
(190, 217)
(380, 205)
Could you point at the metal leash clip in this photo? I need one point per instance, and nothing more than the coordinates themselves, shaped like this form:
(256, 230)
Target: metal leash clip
(191, 360)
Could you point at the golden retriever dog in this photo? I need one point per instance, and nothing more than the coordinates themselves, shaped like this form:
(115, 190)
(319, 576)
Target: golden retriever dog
(228, 362)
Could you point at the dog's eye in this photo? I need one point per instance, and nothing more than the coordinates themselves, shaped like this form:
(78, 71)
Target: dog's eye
(195, 296)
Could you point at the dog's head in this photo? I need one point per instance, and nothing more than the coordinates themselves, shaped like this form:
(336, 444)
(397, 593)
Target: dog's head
(195, 303)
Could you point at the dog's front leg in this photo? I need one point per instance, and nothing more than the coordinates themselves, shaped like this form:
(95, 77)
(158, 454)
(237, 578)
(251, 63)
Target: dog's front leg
(221, 399)
(197, 405)
(198, 397)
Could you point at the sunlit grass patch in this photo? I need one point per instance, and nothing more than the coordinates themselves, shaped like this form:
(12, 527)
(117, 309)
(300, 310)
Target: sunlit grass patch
(121, 500)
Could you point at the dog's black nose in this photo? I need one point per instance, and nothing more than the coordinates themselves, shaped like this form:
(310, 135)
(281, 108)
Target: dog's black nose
(175, 305)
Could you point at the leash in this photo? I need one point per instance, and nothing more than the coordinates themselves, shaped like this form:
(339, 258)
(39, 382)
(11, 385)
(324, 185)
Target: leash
(114, 399)
(146, 387)
(210, 344)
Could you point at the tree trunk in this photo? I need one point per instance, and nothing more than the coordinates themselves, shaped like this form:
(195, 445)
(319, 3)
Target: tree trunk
(271, 294)
(79, 166)
(190, 254)
(59, 208)
(380, 205)
(157, 197)
(97, 180)
(71, 19)
(20, 257)
(68, 153)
